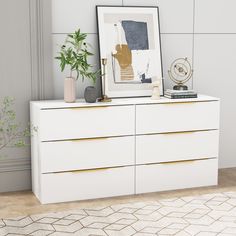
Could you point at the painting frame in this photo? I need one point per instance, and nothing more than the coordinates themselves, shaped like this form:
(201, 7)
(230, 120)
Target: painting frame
(130, 79)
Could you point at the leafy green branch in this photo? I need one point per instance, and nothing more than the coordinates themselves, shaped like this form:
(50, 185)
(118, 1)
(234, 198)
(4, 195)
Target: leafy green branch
(10, 132)
(74, 53)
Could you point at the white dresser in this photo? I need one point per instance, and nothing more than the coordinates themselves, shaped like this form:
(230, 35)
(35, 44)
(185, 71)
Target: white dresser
(129, 146)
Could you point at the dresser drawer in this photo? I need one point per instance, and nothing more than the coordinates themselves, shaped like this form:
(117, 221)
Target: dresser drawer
(71, 186)
(87, 154)
(177, 175)
(172, 117)
(168, 147)
(89, 122)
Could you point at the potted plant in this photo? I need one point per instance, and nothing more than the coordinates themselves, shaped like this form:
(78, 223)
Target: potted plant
(74, 54)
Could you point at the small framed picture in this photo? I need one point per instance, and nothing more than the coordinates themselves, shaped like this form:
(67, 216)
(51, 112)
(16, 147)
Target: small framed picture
(130, 46)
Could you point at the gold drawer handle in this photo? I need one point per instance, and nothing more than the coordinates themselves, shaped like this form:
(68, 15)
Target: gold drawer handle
(188, 132)
(87, 170)
(79, 171)
(88, 139)
(175, 103)
(92, 107)
(181, 132)
(90, 170)
(178, 162)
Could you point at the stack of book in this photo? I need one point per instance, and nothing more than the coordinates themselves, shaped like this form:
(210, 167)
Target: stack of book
(176, 94)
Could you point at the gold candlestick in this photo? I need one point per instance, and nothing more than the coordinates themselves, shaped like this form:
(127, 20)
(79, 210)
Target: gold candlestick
(104, 97)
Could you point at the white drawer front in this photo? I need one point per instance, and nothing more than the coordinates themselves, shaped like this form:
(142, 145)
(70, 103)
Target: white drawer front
(178, 175)
(174, 117)
(61, 124)
(71, 186)
(176, 146)
(87, 154)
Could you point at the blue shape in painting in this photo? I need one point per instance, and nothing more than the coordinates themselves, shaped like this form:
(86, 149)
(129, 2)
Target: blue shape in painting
(136, 34)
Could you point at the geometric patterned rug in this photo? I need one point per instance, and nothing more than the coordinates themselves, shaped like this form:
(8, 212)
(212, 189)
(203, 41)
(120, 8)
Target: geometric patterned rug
(209, 214)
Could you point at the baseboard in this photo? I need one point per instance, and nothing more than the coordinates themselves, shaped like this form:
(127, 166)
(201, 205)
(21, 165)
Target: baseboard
(15, 174)
(15, 181)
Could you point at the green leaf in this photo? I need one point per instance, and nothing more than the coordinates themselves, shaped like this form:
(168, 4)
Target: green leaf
(74, 53)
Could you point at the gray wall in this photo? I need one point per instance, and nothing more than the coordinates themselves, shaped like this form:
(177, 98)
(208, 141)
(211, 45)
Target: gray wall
(15, 77)
(25, 74)
(202, 30)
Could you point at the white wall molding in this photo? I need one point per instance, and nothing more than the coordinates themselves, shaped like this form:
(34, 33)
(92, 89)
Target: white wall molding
(36, 79)
(41, 49)
(14, 164)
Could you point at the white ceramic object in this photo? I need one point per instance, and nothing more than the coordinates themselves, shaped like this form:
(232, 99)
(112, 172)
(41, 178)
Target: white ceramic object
(69, 89)
(156, 90)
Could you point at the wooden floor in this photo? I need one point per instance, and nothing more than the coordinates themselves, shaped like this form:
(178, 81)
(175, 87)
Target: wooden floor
(25, 203)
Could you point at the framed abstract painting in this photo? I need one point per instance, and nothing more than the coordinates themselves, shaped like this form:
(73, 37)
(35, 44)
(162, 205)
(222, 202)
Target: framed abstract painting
(130, 46)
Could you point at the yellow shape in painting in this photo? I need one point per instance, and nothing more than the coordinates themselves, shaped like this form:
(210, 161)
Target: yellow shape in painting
(124, 58)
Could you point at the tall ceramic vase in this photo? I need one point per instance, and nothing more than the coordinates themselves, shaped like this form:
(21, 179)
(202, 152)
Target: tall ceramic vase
(69, 89)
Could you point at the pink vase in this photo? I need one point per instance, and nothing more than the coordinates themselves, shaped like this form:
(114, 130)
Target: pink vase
(69, 89)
